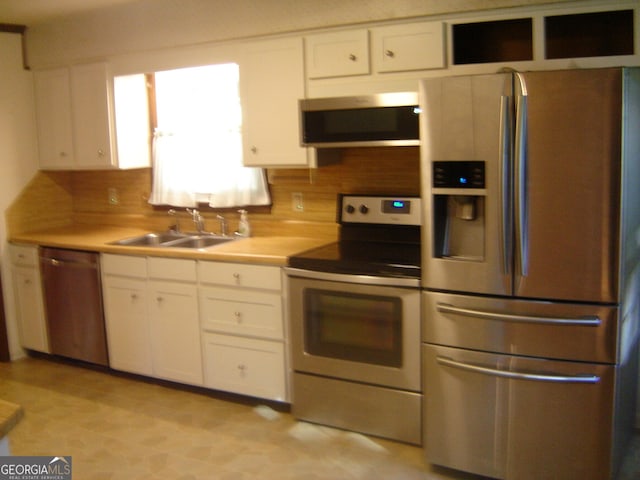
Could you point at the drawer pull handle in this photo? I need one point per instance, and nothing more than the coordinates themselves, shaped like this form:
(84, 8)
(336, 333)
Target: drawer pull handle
(243, 370)
(238, 316)
(588, 321)
(352, 57)
(389, 53)
(540, 377)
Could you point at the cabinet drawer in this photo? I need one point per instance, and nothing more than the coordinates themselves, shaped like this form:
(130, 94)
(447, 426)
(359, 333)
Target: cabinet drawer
(124, 265)
(240, 275)
(26, 255)
(174, 269)
(235, 311)
(246, 366)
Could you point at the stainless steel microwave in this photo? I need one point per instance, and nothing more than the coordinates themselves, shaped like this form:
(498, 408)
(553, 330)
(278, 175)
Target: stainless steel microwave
(386, 119)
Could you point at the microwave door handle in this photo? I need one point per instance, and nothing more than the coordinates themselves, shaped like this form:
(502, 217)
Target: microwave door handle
(520, 156)
(539, 377)
(505, 182)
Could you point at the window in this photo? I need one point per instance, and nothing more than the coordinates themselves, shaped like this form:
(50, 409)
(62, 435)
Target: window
(197, 145)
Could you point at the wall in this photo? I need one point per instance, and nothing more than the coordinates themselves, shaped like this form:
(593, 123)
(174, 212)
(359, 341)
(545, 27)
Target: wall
(82, 196)
(147, 25)
(18, 151)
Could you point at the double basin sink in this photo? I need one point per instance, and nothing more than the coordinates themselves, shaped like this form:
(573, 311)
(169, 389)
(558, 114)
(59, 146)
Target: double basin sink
(175, 240)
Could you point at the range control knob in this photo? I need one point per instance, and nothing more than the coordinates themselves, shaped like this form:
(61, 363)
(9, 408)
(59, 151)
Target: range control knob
(364, 209)
(350, 208)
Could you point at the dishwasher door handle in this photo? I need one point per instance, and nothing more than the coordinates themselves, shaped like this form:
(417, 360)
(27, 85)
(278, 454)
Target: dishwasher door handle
(55, 262)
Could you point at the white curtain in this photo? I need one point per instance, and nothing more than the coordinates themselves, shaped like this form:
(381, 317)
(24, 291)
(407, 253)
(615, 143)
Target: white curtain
(197, 148)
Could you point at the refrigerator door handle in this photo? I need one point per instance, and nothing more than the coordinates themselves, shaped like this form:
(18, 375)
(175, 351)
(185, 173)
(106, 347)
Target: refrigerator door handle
(591, 321)
(540, 377)
(505, 182)
(520, 156)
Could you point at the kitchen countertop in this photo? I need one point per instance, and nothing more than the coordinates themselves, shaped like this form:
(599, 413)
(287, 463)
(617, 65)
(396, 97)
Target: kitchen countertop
(272, 250)
(10, 415)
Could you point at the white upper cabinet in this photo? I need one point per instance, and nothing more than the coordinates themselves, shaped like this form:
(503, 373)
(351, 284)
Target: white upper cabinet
(75, 114)
(92, 116)
(337, 54)
(55, 128)
(271, 82)
(414, 46)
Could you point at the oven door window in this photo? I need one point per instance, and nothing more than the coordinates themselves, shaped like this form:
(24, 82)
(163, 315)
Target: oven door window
(355, 327)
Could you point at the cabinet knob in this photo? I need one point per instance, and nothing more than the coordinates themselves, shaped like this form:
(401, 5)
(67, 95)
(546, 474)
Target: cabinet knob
(159, 299)
(352, 57)
(63, 154)
(243, 370)
(27, 282)
(389, 53)
(254, 149)
(236, 277)
(100, 152)
(238, 316)
(134, 296)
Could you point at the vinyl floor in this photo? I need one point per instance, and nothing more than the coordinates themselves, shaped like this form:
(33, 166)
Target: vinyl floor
(119, 427)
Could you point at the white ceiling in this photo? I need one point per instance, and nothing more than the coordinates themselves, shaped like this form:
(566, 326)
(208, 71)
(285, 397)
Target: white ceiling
(31, 12)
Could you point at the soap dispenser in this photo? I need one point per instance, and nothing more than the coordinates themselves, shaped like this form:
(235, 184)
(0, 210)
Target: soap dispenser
(244, 229)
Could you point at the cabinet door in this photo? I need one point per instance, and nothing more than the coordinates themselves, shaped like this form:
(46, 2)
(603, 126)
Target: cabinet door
(246, 366)
(175, 332)
(337, 54)
(272, 82)
(92, 111)
(127, 324)
(53, 108)
(417, 46)
(30, 309)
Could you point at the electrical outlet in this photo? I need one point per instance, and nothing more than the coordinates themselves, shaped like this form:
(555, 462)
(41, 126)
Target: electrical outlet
(113, 196)
(297, 202)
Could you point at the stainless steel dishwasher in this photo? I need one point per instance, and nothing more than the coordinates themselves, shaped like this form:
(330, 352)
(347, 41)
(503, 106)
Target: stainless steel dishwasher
(73, 302)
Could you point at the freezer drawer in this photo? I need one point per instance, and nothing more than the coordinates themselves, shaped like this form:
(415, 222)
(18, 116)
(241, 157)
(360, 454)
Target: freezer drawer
(562, 331)
(517, 418)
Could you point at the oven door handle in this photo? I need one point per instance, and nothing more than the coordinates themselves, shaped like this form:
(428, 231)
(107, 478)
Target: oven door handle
(352, 278)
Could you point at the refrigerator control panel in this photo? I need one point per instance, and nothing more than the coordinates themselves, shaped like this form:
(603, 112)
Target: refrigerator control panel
(458, 174)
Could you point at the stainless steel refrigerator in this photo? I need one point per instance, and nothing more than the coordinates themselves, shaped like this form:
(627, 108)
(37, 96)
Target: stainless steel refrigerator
(531, 271)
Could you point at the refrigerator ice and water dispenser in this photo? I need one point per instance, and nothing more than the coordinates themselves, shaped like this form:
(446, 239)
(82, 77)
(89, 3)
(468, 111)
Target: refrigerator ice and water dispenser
(459, 202)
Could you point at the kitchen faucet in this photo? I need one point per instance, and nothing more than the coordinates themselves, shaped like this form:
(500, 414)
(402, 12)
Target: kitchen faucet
(198, 219)
(223, 225)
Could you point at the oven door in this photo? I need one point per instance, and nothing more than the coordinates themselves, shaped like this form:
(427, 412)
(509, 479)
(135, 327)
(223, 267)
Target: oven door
(350, 327)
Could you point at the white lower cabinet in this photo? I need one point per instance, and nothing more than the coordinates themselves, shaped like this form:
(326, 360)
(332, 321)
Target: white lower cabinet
(27, 289)
(245, 365)
(175, 331)
(213, 324)
(151, 314)
(127, 324)
(241, 316)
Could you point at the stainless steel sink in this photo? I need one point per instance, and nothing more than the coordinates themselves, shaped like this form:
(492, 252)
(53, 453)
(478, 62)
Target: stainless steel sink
(201, 241)
(174, 240)
(150, 239)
